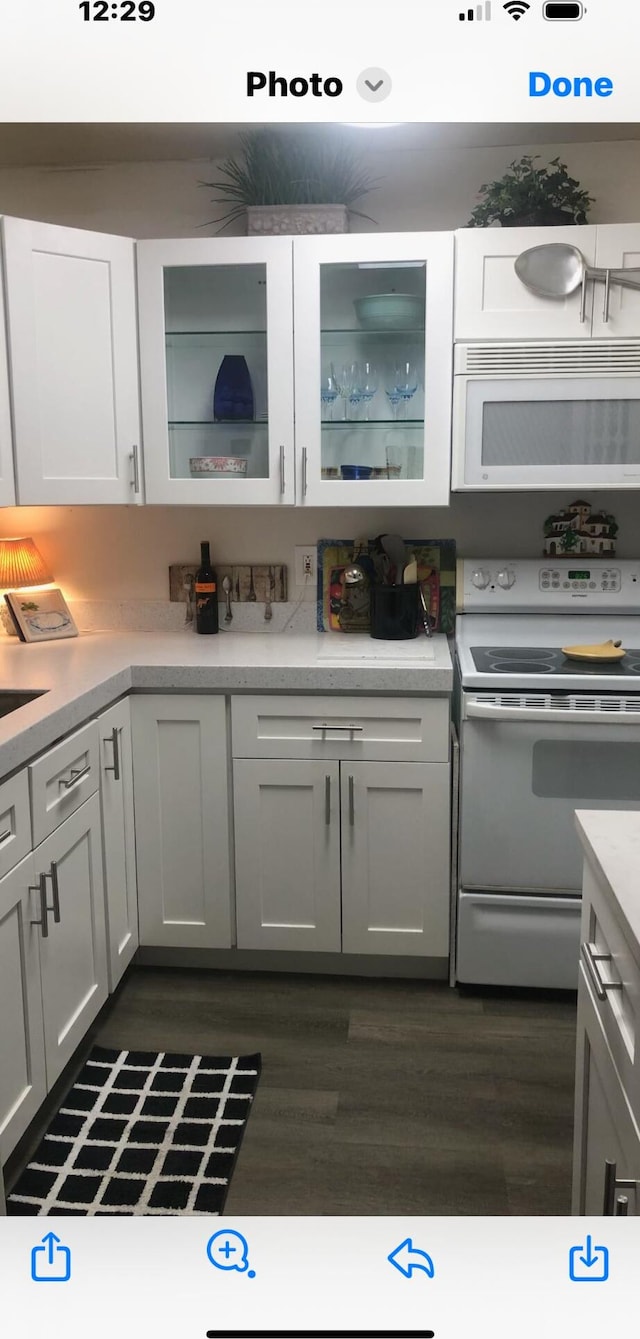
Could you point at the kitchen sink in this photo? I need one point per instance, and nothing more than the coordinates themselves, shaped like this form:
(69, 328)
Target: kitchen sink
(10, 700)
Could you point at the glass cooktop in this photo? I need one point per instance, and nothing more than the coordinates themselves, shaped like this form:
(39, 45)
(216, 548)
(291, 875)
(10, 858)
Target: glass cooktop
(549, 660)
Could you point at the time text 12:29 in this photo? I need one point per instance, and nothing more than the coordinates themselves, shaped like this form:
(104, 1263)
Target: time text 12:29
(127, 11)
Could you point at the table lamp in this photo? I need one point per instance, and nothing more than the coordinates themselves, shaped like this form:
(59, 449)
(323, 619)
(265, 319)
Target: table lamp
(21, 565)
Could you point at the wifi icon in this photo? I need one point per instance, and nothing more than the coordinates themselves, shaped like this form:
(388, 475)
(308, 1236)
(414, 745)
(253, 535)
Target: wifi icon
(516, 8)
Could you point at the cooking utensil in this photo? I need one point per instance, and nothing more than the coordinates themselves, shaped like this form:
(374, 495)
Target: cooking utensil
(393, 546)
(426, 622)
(600, 651)
(270, 586)
(252, 590)
(226, 586)
(354, 575)
(556, 269)
(410, 574)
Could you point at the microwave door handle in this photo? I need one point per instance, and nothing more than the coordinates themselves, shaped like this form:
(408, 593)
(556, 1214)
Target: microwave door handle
(495, 712)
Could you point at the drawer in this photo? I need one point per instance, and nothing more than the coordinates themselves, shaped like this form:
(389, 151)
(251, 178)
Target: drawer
(378, 729)
(15, 821)
(614, 978)
(62, 779)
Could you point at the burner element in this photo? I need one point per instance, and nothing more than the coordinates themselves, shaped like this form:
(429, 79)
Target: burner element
(541, 660)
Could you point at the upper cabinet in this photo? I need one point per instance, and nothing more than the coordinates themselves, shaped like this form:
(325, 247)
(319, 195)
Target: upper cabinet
(216, 359)
(7, 485)
(373, 337)
(366, 322)
(492, 303)
(71, 321)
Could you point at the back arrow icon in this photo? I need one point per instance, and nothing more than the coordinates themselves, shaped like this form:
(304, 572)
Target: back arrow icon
(406, 1258)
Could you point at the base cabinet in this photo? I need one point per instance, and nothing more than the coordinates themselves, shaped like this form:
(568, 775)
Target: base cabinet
(344, 856)
(181, 784)
(116, 800)
(73, 955)
(23, 1083)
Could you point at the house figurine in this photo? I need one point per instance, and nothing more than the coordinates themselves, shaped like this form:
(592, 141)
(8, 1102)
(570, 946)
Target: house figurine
(577, 529)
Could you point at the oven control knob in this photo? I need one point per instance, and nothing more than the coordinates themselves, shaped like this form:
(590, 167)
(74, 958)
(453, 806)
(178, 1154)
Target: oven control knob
(480, 578)
(506, 578)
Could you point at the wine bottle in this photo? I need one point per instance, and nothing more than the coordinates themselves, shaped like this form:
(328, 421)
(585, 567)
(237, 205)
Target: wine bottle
(206, 592)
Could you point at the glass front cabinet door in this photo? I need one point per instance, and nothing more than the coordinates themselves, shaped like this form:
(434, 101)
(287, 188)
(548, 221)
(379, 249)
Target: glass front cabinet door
(373, 318)
(216, 363)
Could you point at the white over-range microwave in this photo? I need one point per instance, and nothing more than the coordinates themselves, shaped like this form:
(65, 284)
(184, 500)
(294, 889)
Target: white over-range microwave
(547, 415)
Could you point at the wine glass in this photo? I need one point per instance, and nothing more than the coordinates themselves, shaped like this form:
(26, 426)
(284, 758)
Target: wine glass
(345, 381)
(406, 374)
(367, 382)
(391, 390)
(329, 391)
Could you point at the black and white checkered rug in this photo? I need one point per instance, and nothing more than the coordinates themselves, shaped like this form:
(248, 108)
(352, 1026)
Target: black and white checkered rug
(142, 1133)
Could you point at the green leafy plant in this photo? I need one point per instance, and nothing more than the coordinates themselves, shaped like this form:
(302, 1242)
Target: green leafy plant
(528, 195)
(280, 169)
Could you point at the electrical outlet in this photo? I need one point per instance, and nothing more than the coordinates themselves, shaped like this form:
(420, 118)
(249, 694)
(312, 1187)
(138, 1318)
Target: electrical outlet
(304, 564)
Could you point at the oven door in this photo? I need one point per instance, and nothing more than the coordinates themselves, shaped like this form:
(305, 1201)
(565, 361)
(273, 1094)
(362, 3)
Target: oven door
(523, 773)
(546, 432)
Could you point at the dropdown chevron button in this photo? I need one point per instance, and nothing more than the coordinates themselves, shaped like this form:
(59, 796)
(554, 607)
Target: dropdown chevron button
(374, 84)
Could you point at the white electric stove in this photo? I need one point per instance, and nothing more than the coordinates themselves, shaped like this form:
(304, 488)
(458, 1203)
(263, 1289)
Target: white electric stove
(540, 736)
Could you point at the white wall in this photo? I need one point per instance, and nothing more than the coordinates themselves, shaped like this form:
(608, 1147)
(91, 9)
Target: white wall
(110, 552)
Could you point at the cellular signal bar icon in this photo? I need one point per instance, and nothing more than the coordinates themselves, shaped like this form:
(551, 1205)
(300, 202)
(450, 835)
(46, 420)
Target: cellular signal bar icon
(480, 12)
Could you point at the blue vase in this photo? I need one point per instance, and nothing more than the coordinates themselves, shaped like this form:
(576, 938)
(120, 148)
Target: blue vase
(233, 393)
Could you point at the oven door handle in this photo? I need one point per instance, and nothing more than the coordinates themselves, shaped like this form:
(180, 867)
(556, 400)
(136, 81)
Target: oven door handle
(495, 711)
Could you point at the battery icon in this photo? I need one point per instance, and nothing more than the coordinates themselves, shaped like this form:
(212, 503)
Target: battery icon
(574, 11)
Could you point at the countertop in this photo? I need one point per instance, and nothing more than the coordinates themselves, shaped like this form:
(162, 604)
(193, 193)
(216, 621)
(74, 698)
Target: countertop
(612, 845)
(83, 675)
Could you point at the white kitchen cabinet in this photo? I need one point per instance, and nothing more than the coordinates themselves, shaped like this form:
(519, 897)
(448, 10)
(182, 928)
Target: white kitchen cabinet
(287, 823)
(404, 440)
(7, 480)
(72, 335)
(492, 303)
(73, 956)
(203, 300)
(618, 312)
(182, 820)
(338, 851)
(606, 1131)
(395, 858)
(23, 1082)
(119, 850)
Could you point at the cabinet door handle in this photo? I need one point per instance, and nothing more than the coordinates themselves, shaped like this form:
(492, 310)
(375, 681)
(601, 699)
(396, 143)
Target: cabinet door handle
(304, 471)
(591, 960)
(135, 482)
(353, 729)
(613, 1183)
(282, 470)
(115, 766)
(53, 875)
(77, 774)
(41, 888)
(607, 296)
(4, 836)
(327, 800)
(352, 803)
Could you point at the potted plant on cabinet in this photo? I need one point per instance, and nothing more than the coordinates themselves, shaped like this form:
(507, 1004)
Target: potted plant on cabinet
(529, 196)
(283, 183)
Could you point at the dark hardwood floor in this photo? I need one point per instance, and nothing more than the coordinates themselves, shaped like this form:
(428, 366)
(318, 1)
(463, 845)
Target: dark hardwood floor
(376, 1097)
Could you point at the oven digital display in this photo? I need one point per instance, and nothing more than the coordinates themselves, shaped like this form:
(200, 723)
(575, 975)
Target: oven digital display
(579, 576)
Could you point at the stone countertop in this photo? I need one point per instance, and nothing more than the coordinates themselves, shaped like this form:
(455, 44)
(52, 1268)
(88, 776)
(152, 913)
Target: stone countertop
(611, 841)
(84, 675)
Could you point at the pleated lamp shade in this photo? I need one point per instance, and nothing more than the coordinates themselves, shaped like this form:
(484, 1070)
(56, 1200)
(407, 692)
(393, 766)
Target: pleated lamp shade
(22, 565)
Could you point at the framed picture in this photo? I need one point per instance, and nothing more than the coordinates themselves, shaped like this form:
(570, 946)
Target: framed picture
(40, 615)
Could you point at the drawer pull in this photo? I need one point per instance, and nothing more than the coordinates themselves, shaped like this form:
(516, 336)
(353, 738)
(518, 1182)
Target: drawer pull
(53, 875)
(352, 803)
(41, 888)
(327, 800)
(115, 767)
(613, 1207)
(76, 775)
(353, 729)
(591, 959)
(4, 836)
